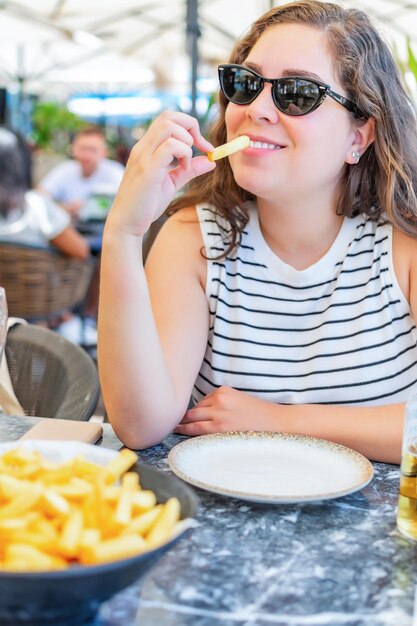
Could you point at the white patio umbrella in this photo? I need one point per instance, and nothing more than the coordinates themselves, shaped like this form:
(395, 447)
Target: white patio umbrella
(62, 46)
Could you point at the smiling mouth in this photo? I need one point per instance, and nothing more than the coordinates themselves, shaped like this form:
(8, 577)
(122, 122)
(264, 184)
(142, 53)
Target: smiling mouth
(264, 145)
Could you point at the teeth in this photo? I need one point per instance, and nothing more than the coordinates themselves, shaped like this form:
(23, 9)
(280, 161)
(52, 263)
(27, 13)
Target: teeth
(264, 145)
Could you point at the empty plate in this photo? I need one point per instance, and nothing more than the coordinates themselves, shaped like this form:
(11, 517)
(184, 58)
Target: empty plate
(270, 467)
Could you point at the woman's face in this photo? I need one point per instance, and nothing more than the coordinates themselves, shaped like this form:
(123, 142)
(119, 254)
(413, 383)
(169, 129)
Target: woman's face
(309, 152)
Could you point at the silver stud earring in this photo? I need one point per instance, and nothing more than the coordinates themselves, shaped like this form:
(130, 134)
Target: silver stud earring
(356, 155)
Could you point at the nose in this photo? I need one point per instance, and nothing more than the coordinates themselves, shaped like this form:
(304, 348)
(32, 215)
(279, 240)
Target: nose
(263, 107)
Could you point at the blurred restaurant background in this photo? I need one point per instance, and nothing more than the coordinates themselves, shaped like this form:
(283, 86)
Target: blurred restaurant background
(69, 63)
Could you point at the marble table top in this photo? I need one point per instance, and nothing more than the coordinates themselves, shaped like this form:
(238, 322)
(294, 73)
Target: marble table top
(333, 563)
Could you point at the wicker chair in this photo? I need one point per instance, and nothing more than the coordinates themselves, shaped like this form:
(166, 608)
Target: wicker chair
(40, 283)
(51, 376)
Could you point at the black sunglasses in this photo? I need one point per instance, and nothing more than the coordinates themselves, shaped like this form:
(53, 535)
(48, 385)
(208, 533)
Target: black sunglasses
(292, 95)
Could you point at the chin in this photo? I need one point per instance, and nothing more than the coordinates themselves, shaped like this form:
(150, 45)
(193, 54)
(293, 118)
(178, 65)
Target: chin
(252, 184)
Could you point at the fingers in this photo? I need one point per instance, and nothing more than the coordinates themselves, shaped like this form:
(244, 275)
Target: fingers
(176, 125)
(158, 166)
(195, 429)
(173, 135)
(196, 414)
(182, 174)
(172, 148)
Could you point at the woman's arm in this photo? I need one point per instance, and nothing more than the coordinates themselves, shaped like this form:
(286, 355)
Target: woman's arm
(375, 431)
(152, 333)
(71, 243)
(152, 336)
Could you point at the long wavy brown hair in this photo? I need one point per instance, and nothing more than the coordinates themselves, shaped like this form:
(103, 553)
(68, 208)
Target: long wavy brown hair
(385, 179)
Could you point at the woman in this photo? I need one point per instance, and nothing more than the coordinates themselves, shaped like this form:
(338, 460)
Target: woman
(286, 297)
(27, 216)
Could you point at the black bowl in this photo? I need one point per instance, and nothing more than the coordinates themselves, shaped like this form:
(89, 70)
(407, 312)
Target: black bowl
(72, 597)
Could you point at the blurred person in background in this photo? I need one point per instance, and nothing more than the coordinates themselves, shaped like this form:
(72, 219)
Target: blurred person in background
(72, 182)
(26, 216)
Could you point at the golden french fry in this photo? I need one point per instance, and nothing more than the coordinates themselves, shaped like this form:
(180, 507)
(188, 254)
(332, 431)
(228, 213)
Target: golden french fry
(43, 526)
(165, 522)
(142, 523)
(86, 469)
(130, 482)
(23, 471)
(89, 537)
(71, 533)
(143, 500)
(111, 493)
(23, 502)
(240, 143)
(10, 526)
(115, 549)
(59, 474)
(120, 464)
(104, 510)
(21, 457)
(53, 503)
(34, 539)
(89, 508)
(52, 514)
(74, 489)
(22, 557)
(11, 486)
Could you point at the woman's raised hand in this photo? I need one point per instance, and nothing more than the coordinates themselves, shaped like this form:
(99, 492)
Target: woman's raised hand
(158, 166)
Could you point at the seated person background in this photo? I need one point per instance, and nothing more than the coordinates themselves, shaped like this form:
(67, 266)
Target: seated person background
(29, 217)
(72, 182)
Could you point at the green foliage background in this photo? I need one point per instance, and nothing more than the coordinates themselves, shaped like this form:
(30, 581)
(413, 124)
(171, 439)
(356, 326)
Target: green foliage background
(53, 126)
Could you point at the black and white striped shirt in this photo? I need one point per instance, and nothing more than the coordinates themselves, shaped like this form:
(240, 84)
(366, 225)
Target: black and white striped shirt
(338, 332)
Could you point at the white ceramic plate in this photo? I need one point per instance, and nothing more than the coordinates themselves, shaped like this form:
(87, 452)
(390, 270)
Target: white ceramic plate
(270, 467)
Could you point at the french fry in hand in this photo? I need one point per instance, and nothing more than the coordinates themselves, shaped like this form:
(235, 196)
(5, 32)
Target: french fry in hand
(240, 143)
(53, 515)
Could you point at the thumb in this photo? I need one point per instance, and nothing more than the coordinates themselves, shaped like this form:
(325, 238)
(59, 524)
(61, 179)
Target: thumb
(198, 166)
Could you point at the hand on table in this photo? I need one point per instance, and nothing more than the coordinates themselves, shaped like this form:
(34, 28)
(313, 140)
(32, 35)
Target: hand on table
(226, 409)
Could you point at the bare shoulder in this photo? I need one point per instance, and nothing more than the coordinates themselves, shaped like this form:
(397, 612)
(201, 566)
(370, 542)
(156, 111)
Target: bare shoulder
(181, 228)
(404, 250)
(179, 243)
(404, 246)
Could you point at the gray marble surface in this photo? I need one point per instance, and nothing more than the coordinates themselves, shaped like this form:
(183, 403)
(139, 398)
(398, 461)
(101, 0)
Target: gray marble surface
(333, 563)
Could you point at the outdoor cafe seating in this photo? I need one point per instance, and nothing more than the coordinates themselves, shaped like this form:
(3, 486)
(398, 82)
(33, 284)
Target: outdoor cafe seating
(51, 376)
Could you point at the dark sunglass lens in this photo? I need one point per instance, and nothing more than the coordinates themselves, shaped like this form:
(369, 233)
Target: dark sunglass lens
(296, 96)
(239, 85)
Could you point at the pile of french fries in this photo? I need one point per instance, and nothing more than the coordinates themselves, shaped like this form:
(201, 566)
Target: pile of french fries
(54, 515)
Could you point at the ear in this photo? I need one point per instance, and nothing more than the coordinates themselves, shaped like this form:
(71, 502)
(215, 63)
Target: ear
(363, 136)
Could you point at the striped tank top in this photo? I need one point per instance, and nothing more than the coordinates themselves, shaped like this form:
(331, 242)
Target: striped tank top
(338, 332)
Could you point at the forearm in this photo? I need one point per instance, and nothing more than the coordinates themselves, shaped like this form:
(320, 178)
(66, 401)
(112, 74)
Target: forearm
(374, 431)
(138, 390)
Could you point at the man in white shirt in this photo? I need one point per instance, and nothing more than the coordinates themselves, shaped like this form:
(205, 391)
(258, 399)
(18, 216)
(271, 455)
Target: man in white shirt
(72, 182)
